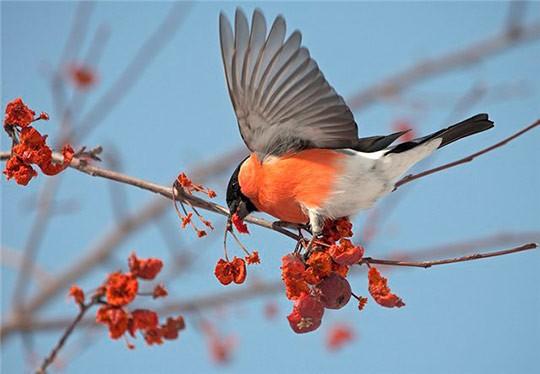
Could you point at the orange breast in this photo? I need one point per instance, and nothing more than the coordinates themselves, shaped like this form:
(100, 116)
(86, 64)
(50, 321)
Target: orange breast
(280, 186)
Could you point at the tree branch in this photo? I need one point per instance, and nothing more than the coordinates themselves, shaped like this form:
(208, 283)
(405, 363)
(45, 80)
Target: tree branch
(38, 229)
(166, 191)
(150, 48)
(69, 330)
(257, 289)
(427, 264)
(454, 60)
(239, 294)
(411, 177)
(501, 239)
(101, 251)
(14, 259)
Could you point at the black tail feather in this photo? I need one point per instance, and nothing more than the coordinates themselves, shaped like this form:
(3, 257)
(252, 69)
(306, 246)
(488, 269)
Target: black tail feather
(470, 126)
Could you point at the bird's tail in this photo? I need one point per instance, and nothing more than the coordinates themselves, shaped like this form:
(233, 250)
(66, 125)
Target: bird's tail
(470, 126)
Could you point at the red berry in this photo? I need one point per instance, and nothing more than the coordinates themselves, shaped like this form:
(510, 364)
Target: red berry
(335, 291)
(309, 306)
(306, 315)
(300, 324)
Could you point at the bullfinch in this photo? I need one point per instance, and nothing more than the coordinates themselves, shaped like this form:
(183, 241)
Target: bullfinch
(306, 163)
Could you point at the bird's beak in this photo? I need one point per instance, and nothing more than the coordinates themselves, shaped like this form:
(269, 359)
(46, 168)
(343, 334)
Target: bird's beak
(242, 211)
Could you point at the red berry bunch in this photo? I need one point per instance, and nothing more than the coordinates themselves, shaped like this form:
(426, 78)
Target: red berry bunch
(118, 292)
(316, 280)
(29, 146)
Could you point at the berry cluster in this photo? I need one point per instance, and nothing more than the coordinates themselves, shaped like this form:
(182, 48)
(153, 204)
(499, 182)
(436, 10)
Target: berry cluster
(120, 290)
(235, 271)
(29, 146)
(316, 280)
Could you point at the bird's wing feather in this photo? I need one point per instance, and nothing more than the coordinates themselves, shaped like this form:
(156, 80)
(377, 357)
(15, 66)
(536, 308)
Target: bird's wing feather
(282, 100)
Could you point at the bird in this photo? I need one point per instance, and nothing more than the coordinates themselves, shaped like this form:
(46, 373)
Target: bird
(307, 163)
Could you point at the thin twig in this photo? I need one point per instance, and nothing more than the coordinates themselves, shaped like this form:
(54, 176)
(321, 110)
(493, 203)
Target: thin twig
(151, 47)
(501, 239)
(12, 258)
(411, 177)
(222, 297)
(25, 323)
(117, 193)
(79, 28)
(69, 330)
(216, 208)
(39, 226)
(101, 251)
(257, 289)
(33, 240)
(79, 96)
(164, 191)
(210, 206)
(517, 10)
(375, 220)
(427, 264)
(471, 54)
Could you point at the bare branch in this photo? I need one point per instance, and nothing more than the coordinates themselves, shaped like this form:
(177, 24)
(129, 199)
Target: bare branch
(517, 11)
(14, 259)
(410, 178)
(166, 191)
(428, 68)
(375, 220)
(201, 203)
(105, 246)
(144, 56)
(74, 41)
(258, 289)
(96, 254)
(33, 240)
(69, 330)
(427, 264)
(79, 97)
(118, 197)
(500, 239)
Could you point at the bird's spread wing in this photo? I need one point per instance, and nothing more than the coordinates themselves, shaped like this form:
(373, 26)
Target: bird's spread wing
(282, 100)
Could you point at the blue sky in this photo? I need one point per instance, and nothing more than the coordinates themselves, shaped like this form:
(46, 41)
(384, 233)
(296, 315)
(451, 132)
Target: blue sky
(479, 316)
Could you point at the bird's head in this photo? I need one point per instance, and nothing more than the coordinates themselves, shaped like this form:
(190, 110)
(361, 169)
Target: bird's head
(237, 202)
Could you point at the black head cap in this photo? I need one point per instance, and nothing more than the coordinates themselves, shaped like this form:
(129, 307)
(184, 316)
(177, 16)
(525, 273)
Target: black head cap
(236, 201)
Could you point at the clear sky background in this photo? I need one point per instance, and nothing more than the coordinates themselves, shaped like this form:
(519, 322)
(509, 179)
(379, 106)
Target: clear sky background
(476, 317)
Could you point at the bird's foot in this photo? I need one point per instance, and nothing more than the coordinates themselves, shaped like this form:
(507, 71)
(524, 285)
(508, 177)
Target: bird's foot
(307, 245)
